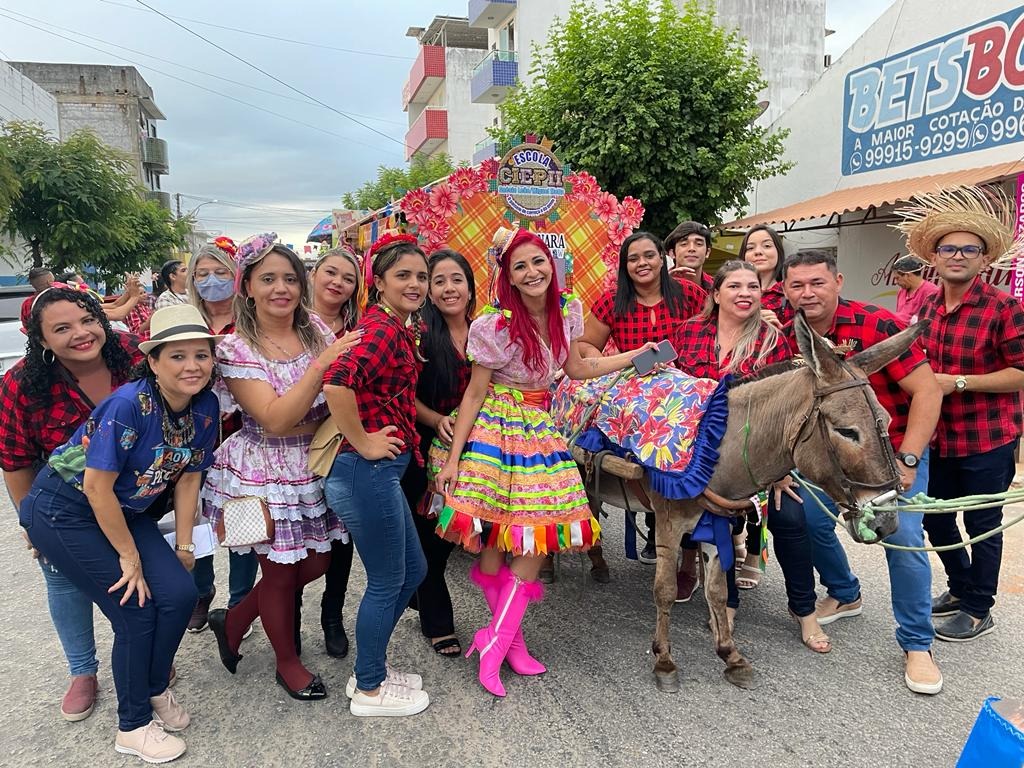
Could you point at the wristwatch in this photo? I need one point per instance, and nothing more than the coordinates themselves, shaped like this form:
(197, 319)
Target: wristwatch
(960, 384)
(185, 547)
(908, 460)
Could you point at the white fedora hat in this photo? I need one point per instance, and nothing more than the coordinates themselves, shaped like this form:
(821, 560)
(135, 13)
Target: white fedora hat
(176, 323)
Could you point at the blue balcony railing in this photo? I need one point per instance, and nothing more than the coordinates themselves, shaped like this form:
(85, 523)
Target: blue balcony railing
(496, 73)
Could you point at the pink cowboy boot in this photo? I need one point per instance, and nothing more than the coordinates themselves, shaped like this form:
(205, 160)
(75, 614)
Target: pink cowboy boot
(494, 640)
(518, 658)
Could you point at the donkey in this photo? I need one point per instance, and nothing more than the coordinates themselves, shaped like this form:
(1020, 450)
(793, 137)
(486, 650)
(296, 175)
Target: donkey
(820, 417)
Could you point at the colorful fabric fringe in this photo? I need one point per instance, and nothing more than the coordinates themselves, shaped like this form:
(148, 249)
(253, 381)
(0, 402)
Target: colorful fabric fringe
(669, 422)
(518, 488)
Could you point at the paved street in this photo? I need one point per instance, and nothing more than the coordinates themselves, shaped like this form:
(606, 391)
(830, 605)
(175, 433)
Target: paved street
(597, 705)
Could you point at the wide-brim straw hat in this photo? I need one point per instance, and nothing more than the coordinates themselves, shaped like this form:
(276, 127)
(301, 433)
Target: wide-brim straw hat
(180, 322)
(983, 211)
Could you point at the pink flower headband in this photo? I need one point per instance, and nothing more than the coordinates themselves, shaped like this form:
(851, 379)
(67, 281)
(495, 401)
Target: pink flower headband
(384, 241)
(251, 250)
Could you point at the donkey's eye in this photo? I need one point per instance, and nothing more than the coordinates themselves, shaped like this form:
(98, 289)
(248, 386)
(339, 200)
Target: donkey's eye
(849, 434)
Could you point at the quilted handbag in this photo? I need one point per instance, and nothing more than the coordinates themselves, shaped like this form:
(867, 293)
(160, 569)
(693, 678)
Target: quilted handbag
(245, 521)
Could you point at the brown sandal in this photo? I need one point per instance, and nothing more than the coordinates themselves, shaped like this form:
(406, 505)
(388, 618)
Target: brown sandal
(819, 642)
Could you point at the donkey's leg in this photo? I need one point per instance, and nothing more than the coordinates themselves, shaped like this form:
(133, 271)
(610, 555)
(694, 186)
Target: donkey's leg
(669, 526)
(737, 669)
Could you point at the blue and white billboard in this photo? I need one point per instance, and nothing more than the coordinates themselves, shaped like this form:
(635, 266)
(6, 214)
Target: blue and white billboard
(954, 94)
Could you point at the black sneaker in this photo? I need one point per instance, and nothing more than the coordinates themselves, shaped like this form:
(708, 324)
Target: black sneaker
(945, 605)
(200, 613)
(961, 628)
(649, 555)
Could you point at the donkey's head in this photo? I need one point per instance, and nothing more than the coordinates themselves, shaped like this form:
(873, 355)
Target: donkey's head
(842, 443)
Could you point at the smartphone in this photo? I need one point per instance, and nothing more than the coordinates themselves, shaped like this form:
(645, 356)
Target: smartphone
(646, 360)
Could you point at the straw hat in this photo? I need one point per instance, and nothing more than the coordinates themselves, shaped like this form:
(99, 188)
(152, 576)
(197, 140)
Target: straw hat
(983, 211)
(176, 323)
(501, 241)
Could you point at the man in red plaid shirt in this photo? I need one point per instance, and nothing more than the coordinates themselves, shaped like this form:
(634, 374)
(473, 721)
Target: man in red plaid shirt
(976, 344)
(689, 245)
(906, 388)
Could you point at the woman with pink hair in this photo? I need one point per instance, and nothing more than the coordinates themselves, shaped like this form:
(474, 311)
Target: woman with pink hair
(508, 481)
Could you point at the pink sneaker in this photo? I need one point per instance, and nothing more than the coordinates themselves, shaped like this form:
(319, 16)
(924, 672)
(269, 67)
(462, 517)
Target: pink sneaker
(80, 698)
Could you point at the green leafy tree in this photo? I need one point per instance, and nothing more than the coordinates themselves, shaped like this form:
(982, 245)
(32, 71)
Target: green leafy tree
(656, 103)
(393, 183)
(79, 204)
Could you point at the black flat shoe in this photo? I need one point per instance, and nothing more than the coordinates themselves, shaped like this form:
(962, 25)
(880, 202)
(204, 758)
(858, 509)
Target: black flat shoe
(216, 621)
(315, 691)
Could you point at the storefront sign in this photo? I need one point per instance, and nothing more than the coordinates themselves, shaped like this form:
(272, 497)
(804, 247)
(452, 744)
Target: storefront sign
(1017, 283)
(531, 180)
(951, 95)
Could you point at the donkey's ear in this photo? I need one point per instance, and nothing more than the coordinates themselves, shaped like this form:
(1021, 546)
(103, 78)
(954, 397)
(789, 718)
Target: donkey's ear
(875, 357)
(817, 352)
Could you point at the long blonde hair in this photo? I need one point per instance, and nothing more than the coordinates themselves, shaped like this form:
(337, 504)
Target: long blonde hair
(746, 344)
(350, 313)
(246, 323)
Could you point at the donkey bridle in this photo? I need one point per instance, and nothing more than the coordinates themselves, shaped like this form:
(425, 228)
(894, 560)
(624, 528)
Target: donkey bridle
(814, 416)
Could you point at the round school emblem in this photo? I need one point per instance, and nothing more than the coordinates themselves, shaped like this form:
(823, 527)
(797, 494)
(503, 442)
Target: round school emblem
(530, 178)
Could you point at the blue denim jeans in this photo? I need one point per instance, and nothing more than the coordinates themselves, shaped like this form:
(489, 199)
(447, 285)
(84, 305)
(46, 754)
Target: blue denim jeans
(974, 577)
(368, 497)
(61, 525)
(242, 570)
(910, 573)
(71, 613)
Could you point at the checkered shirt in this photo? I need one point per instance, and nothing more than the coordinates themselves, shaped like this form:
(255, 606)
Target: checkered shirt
(861, 326)
(31, 427)
(382, 371)
(646, 324)
(983, 335)
(774, 299)
(695, 341)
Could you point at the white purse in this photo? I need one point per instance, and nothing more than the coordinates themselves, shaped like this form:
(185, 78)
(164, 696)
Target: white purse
(245, 521)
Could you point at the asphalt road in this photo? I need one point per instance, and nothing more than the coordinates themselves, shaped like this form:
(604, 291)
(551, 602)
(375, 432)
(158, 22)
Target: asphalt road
(596, 706)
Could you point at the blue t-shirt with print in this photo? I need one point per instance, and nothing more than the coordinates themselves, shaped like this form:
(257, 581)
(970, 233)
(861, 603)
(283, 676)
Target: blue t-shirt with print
(125, 435)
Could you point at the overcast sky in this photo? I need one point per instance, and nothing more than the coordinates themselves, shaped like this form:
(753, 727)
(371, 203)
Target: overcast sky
(307, 157)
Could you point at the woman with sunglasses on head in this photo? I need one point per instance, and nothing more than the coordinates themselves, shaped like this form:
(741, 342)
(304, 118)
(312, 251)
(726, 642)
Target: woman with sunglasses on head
(88, 509)
(272, 365)
(510, 485)
(73, 361)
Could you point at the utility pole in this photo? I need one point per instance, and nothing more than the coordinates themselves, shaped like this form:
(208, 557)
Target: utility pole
(177, 198)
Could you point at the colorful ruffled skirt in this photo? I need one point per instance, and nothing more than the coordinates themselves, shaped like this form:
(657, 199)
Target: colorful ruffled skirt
(275, 469)
(518, 488)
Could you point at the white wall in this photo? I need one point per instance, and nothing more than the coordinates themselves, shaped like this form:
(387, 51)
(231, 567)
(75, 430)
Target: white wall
(21, 99)
(467, 121)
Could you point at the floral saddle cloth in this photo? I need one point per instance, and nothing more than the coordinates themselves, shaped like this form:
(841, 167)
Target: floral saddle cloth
(668, 422)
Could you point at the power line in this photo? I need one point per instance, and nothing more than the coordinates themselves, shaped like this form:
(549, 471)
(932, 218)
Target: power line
(202, 87)
(274, 37)
(237, 204)
(185, 66)
(267, 74)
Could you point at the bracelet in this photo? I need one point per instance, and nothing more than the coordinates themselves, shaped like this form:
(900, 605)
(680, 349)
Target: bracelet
(136, 564)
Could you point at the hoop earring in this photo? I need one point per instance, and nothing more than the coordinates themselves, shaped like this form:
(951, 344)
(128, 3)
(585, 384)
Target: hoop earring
(250, 302)
(52, 359)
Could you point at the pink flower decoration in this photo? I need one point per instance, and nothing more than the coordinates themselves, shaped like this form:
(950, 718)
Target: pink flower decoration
(584, 187)
(631, 211)
(618, 231)
(606, 206)
(414, 201)
(464, 180)
(489, 169)
(422, 216)
(444, 199)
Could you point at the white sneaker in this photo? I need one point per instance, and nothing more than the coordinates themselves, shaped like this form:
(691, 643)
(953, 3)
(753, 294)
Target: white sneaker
(168, 713)
(392, 700)
(405, 679)
(150, 742)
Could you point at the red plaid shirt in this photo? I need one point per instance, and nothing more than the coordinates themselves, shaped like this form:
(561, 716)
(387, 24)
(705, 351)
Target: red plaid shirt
(983, 335)
(774, 299)
(862, 326)
(695, 343)
(646, 324)
(31, 427)
(382, 370)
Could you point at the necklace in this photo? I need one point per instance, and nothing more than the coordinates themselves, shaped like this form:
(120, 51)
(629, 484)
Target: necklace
(180, 432)
(287, 355)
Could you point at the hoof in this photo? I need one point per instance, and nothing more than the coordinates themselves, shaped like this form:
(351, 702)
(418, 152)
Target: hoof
(741, 676)
(667, 682)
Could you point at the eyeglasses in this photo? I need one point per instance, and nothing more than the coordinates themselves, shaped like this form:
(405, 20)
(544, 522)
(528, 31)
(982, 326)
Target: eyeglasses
(969, 251)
